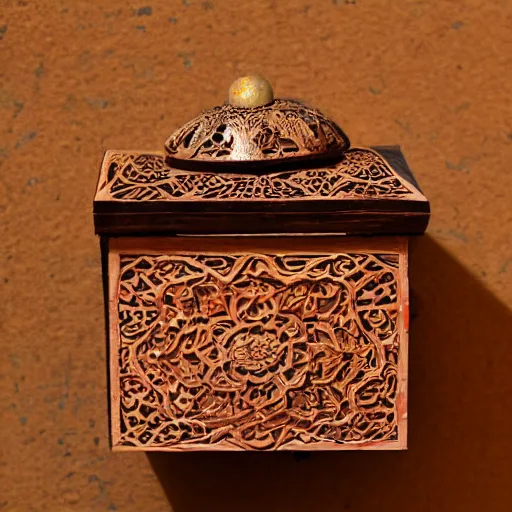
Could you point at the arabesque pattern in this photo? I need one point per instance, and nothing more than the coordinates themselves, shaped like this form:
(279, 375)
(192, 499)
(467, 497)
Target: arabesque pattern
(361, 174)
(258, 351)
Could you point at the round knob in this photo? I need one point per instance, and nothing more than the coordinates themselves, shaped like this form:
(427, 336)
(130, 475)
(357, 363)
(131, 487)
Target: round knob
(250, 91)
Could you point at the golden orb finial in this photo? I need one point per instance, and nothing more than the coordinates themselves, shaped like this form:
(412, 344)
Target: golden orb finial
(250, 91)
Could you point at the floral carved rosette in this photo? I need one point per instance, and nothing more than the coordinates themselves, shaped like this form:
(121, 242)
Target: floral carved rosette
(258, 351)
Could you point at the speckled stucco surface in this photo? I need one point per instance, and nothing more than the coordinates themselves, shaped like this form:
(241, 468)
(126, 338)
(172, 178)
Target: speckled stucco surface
(80, 76)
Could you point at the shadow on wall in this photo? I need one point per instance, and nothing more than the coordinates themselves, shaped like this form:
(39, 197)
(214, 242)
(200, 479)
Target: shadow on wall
(460, 429)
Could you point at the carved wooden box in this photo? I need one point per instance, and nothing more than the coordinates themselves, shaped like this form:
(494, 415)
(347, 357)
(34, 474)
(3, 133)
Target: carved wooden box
(256, 284)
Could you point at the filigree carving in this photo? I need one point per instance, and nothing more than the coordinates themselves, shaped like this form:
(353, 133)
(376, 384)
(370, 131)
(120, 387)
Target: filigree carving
(282, 129)
(257, 351)
(361, 174)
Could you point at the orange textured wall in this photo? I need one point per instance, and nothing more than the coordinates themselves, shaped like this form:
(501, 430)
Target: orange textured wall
(82, 76)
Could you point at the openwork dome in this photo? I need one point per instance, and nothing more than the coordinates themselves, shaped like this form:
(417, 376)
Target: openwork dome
(255, 128)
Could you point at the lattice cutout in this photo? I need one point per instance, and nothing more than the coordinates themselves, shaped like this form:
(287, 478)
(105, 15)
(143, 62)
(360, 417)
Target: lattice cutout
(283, 129)
(258, 351)
(361, 174)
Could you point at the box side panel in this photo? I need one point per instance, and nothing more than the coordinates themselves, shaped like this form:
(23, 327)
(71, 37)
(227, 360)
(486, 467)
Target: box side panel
(296, 343)
(104, 250)
(114, 347)
(403, 357)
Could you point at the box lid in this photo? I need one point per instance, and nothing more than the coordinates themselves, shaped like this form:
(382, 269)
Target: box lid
(276, 167)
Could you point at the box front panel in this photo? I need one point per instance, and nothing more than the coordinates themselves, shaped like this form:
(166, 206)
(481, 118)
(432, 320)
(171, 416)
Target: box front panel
(258, 344)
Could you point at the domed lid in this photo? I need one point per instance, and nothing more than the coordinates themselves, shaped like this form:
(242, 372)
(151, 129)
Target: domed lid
(216, 177)
(255, 129)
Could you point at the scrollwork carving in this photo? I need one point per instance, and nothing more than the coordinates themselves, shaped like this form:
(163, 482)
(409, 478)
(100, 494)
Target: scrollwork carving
(361, 174)
(257, 351)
